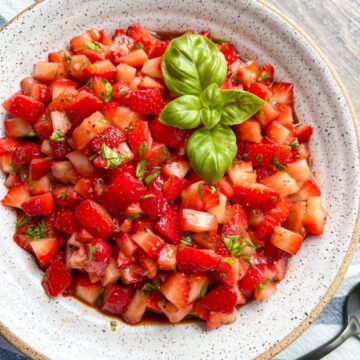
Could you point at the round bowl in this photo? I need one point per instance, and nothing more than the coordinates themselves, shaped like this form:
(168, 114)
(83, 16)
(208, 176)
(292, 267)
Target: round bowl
(63, 328)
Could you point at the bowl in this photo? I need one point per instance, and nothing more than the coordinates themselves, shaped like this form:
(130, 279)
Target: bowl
(63, 328)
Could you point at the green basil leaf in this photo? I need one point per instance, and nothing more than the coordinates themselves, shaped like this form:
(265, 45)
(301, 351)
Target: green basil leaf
(211, 97)
(191, 63)
(211, 152)
(108, 90)
(93, 45)
(183, 112)
(210, 117)
(239, 106)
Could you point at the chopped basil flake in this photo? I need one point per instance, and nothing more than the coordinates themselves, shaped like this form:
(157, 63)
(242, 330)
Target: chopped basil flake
(89, 84)
(294, 145)
(23, 221)
(113, 325)
(148, 196)
(67, 58)
(149, 287)
(114, 159)
(140, 169)
(92, 251)
(93, 45)
(186, 240)
(142, 148)
(134, 216)
(263, 76)
(123, 91)
(201, 189)
(138, 46)
(108, 90)
(38, 231)
(229, 261)
(247, 260)
(236, 246)
(259, 157)
(261, 286)
(151, 177)
(204, 289)
(57, 136)
(275, 161)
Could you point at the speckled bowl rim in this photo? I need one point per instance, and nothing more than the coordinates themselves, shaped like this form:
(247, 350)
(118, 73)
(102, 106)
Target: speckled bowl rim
(287, 340)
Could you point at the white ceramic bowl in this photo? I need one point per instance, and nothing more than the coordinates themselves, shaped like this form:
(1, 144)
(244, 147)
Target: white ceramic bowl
(66, 329)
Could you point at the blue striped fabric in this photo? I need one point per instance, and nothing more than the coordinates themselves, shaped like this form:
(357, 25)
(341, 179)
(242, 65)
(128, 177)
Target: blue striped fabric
(325, 326)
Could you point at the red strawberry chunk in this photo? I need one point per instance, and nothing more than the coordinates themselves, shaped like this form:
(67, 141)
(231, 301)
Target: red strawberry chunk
(39, 168)
(197, 221)
(95, 219)
(252, 278)
(122, 192)
(139, 138)
(221, 299)
(66, 197)
(65, 221)
(168, 135)
(45, 249)
(282, 93)
(112, 137)
(56, 278)
(147, 101)
(24, 153)
(256, 196)
(264, 154)
(98, 254)
(39, 205)
(176, 289)
(149, 242)
(168, 226)
(154, 205)
(8, 145)
(60, 149)
(266, 227)
(230, 53)
(23, 241)
(16, 196)
(116, 298)
(303, 133)
(26, 107)
(174, 186)
(189, 259)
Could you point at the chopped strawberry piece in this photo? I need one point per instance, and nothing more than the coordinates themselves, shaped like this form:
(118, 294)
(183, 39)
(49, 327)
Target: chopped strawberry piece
(166, 259)
(8, 145)
(267, 154)
(98, 254)
(166, 134)
(26, 107)
(94, 218)
(149, 264)
(111, 137)
(60, 148)
(252, 278)
(45, 249)
(197, 221)
(16, 196)
(56, 278)
(149, 242)
(154, 205)
(116, 298)
(176, 289)
(189, 259)
(66, 197)
(266, 227)
(221, 299)
(147, 101)
(139, 138)
(23, 241)
(65, 221)
(24, 153)
(39, 205)
(286, 240)
(88, 291)
(229, 52)
(168, 226)
(282, 93)
(303, 133)
(136, 308)
(103, 68)
(39, 168)
(314, 217)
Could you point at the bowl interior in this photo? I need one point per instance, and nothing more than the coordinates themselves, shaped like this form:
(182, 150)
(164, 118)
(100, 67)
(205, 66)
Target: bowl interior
(64, 328)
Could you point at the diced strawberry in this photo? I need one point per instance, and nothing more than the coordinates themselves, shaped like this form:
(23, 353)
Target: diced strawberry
(147, 102)
(216, 319)
(149, 264)
(264, 154)
(84, 105)
(149, 242)
(125, 73)
(141, 36)
(168, 135)
(60, 148)
(168, 226)
(256, 196)
(286, 240)
(296, 217)
(281, 211)
(266, 74)
(279, 133)
(39, 168)
(23, 241)
(44, 129)
(176, 289)
(56, 278)
(154, 206)
(65, 221)
(249, 130)
(247, 73)
(314, 218)
(230, 53)
(140, 140)
(286, 115)
(24, 153)
(66, 197)
(126, 244)
(16, 196)
(197, 221)
(116, 298)
(41, 186)
(177, 168)
(39, 205)
(282, 183)
(18, 127)
(26, 107)
(309, 189)
(189, 259)
(123, 191)
(133, 274)
(123, 261)
(60, 84)
(136, 58)
(303, 133)
(103, 68)
(77, 43)
(266, 227)
(265, 291)
(221, 299)
(174, 314)
(136, 308)
(78, 66)
(198, 284)
(45, 249)
(225, 187)
(241, 172)
(88, 291)
(282, 93)
(27, 84)
(41, 92)
(268, 113)
(159, 154)
(95, 219)
(8, 145)
(88, 129)
(252, 278)
(166, 259)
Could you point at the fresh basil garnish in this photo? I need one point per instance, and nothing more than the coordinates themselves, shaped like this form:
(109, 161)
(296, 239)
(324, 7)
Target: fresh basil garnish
(212, 151)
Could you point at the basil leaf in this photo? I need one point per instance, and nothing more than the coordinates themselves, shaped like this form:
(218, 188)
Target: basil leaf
(211, 97)
(211, 152)
(140, 169)
(183, 112)
(239, 106)
(191, 63)
(108, 90)
(93, 45)
(210, 117)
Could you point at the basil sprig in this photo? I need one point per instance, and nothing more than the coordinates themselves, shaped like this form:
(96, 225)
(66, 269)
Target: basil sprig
(193, 68)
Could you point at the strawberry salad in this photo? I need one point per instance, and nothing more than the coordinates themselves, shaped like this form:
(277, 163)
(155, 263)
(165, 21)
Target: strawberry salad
(160, 174)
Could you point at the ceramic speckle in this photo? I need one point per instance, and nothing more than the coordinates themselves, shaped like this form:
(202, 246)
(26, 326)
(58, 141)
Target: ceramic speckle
(64, 328)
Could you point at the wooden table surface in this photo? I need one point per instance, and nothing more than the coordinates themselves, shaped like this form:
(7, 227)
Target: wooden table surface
(334, 25)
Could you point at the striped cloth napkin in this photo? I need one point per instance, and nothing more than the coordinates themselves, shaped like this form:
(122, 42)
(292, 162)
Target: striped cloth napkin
(324, 328)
